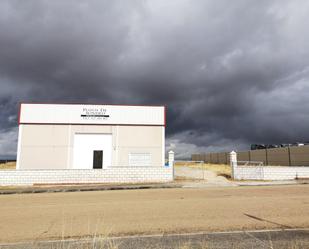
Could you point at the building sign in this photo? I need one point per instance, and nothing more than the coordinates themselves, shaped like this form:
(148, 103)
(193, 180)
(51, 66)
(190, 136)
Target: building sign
(94, 113)
(91, 114)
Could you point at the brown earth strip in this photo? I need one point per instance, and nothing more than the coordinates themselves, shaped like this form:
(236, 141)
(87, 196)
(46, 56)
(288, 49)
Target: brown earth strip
(63, 215)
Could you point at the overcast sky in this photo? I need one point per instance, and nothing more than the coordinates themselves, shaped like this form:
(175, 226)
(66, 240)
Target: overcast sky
(231, 73)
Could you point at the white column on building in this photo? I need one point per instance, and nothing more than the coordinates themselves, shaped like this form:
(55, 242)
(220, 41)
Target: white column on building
(20, 131)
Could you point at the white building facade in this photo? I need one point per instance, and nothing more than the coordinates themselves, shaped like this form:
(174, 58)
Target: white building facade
(108, 142)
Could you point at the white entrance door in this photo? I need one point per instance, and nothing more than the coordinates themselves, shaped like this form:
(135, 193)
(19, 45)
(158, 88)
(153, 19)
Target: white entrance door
(87, 145)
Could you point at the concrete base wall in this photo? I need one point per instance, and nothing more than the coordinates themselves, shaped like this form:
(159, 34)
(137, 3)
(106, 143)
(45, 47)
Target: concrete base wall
(270, 173)
(110, 175)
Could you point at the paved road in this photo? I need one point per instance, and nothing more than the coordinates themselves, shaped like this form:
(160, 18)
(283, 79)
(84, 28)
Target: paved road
(283, 239)
(128, 212)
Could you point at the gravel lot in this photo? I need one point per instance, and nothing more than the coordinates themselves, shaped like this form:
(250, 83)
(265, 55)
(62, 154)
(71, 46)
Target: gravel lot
(126, 212)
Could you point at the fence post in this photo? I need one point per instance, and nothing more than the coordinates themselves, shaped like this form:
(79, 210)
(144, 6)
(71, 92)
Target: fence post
(233, 163)
(171, 158)
(289, 153)
(266, 156)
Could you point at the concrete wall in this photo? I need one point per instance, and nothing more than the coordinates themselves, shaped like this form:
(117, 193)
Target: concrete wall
(270, 173)
(51, 146)
(198, 157)
(299, 156)
(289, 156)
(243, 156)
(254, 172)
(223, 158)
(110, 175)
(258, 156)
(216, 158)
(279, 156)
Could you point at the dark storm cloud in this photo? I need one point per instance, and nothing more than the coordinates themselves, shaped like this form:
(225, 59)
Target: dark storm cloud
(230, 73)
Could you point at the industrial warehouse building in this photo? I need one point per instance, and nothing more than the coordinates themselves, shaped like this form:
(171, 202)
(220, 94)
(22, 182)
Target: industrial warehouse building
(71, 136)
(91, 143)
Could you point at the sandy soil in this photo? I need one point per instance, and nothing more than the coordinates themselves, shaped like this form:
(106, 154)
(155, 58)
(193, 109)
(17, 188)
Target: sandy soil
(56, 215)
(219, 169)
(206, 177)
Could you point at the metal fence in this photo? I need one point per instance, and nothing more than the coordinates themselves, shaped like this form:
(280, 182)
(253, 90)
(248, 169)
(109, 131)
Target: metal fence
(288, 156)
(216, 158)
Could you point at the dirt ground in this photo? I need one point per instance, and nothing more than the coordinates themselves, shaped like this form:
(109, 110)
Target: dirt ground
(219, 169)
(61, 215)
(206, 177)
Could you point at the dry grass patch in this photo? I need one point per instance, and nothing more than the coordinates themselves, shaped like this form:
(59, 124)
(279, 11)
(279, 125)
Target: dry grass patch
(219, 169)
(8, 165)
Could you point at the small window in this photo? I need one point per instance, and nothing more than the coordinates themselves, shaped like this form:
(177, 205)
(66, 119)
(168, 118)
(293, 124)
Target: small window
(139, 159)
